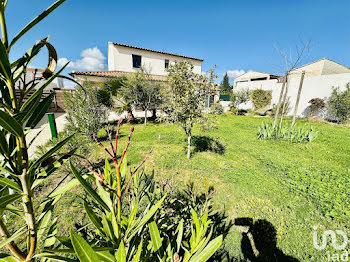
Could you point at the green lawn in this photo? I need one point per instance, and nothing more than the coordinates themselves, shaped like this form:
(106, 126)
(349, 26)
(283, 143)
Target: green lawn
(293, 186)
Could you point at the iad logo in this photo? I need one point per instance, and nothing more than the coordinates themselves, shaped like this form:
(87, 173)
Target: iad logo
(333, 236)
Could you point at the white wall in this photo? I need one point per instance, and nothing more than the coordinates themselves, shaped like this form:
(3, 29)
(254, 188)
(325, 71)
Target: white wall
(313, 87)
(120, 59)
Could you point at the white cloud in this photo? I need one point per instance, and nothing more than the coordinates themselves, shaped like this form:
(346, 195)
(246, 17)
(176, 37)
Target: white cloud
(92, 60)
(235, 73)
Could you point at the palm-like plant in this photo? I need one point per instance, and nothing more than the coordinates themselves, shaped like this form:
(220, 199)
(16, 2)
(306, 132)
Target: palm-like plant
(22, 107)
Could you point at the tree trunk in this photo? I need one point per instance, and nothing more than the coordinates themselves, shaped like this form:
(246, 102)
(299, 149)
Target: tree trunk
(188, 146)
(130, 117)
(284, 101)
(298, 97)
(279, 102)
(146, 116)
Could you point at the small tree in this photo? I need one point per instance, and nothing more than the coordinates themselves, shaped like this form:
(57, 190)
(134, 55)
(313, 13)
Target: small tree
(225, 86)
(85, 112)
(240, 97)
(142, 91)
(186, 98)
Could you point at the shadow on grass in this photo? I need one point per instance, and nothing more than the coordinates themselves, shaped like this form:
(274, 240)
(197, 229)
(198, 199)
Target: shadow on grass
(259, 242)
(205, 143)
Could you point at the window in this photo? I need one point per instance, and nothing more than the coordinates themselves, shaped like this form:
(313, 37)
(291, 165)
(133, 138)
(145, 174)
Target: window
(136, 61)
(166, 63)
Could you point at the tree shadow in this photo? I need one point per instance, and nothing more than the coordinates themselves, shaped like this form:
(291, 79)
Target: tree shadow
(259, 242)
(205, 143)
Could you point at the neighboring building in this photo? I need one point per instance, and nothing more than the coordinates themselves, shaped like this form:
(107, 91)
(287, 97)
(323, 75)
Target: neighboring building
(320, 77)
(124, 60)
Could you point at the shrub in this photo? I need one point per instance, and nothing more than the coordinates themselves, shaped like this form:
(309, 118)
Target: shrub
(338, 105)
(216, 109)
(125, 209)
(316, 106)
(239, 97)
(261, 98)
(287, 133)
(285, 105)
(85, 112)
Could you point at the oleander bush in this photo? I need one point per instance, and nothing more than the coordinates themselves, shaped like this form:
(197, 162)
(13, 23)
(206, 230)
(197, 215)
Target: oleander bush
(130, 223)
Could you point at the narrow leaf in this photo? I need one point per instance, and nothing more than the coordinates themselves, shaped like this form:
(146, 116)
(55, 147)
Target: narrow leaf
(10, 124)
(82, 249)
(121, 256)
(88, 188)
(10, 183)
(208, 251)
(155, 236)
(8, 199)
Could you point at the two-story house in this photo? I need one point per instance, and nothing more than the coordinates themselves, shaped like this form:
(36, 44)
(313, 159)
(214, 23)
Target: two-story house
(125, 59)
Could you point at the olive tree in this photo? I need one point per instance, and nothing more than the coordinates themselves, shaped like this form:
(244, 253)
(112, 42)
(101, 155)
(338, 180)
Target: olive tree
(141, 91)
(186, 97)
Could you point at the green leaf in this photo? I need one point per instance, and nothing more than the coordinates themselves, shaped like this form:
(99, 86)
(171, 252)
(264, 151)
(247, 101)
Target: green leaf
(49, 153)
(40, 111)
(35, 21)
(208, 251)
(138, 253)
(4, 147)
(14, 236)
(105, 256)
(88, 188)
(63, 189)
(82, 249)
(94, 219)
(5, 67)
(144, 220)
(155, 236)
(180, 230)
(121, 256)
(8, 199)
(43, 225)
(8, 259)
(10, 124)
(11, 184)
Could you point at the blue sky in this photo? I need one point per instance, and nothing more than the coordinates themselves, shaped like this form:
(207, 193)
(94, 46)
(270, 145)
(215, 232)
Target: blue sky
(233, 35)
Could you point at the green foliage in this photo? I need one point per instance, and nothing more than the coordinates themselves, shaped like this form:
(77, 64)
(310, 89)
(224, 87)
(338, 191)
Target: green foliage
(126, 211)
(225, 86)
(19, 113)
(186, 97)
(85, 112)
(286, 132)
(316, 106)
(216, 109)
(239, 97)
(261, 98)
(140, 91)
(338, 105)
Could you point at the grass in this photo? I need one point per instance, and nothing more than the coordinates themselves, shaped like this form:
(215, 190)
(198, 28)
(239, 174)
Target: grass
(293, 186)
